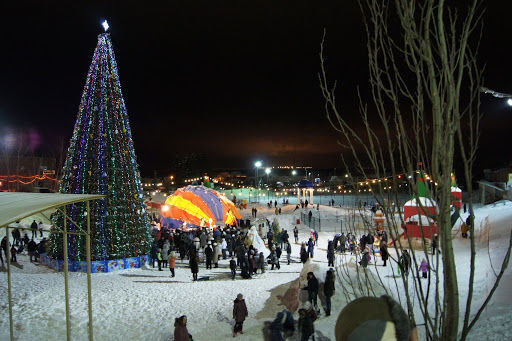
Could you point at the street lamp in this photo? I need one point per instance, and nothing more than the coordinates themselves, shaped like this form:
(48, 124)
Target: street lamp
(257, 164)
(509, 102)
(294, 172)
(267, 170)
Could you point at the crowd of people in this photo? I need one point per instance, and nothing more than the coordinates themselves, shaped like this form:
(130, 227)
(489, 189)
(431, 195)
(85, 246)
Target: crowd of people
(24, 245)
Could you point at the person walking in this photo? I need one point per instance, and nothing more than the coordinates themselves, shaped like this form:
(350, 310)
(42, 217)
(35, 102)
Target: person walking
(232, 267)
(40, 228)
(328, 290)
(172, 262)
(288, 252)
(33, 227)
(159, 259)
(224, 246)
(330, 253)
(194, 265)
(312, 289)
(13, 254)
(304, 255)
(215, 258)
(180, 329)
(435, 245)
(240, 312)
(165, 253)
(296, 234)
(208, 252)
(261, 262)
(311, 247)
(32, 248)
(384, 252)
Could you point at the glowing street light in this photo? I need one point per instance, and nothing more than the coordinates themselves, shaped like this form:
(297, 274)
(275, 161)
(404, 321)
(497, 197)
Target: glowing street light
(257, 164)
(294, 172)
(509, 102)
(267, 170)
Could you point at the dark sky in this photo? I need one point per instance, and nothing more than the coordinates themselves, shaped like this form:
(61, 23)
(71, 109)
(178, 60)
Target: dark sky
(234, 80)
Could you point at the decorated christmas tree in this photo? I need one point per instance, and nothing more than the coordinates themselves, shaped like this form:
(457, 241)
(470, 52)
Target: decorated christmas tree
(101, 160)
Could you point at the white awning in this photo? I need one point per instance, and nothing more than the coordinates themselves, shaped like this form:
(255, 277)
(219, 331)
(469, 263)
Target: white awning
(15, 206)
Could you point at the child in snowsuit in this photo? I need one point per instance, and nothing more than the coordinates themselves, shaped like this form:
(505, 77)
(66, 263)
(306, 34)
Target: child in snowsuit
(159, 259)
(424, 268)
(13, 254)
(232, 266)
(239, 314)
(172, 262)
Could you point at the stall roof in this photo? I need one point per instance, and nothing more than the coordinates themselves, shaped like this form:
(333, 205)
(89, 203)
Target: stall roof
(15, 206)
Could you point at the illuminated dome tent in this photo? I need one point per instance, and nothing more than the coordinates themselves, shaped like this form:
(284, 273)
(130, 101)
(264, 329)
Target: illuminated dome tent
(198, 206)
(305, 186)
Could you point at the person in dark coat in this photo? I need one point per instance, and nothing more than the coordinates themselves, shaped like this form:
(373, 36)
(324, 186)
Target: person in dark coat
(365, 258)
(384, 252)
(405, 261)
(276, 327)
(194, 266)
(306, 326)
(261, 262)
(330, 254)
(3, 244)
(304, 255)
(435, 245)
(311, 247)
(208, 252)
(180, 329)
(288, 252)
(288, 324)
(328, 290)
(239, 314)
(33, 227)
(32, 248)
(232, 266)
(296, 234)
(154, 251)
(312, 289)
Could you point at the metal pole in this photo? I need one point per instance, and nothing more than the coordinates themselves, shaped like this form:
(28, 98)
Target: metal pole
(9, 294)
(88, 250)
(66, 292)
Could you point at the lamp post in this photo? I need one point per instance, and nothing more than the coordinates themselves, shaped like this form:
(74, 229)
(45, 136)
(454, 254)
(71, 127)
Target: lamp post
(267, 170)
(257, 164)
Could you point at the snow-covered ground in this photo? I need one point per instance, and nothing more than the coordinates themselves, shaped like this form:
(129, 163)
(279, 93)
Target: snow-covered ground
(141, 304)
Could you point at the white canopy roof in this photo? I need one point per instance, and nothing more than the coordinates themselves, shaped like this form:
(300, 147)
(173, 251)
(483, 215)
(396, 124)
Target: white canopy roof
(15, 206)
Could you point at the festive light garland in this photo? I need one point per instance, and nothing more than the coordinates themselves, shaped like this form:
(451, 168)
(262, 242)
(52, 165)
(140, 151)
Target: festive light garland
(101, 160)
(29, 179)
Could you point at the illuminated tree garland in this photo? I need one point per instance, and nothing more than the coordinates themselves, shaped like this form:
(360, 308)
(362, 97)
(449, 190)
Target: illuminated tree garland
(101, 160)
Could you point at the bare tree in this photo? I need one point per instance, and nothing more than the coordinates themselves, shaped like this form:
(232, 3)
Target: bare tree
(424, 82)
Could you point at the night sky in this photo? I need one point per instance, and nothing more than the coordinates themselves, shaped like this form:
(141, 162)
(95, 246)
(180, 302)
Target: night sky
(235, 81)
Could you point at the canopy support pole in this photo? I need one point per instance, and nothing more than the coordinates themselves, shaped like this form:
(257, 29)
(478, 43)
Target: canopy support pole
(88, 247)
(9, 294)
(66, 292)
